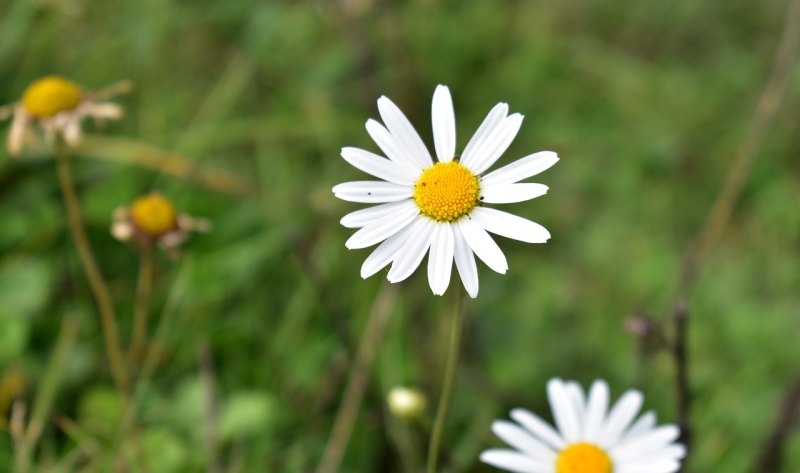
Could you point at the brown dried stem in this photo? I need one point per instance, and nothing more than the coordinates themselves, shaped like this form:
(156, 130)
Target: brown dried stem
(771, 456)
(720, 214)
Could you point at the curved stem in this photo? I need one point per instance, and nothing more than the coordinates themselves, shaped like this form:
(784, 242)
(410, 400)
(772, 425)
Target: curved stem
(358, 380)
(93, 275)
(447, 386)
(144, 290)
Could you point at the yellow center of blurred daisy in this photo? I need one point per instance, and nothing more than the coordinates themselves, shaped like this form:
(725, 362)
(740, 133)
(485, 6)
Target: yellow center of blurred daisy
(154, 215)
(50, 96)
(446, 191)
(583, 458)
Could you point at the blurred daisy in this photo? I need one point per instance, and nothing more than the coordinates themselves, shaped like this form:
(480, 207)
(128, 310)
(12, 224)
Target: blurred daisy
(152, 219)
(591, 438)
(58, 106)
(438, 207)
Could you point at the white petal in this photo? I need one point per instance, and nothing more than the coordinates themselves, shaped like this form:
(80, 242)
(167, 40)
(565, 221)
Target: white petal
(596, 410)
(578, 402)
(563, 410)
(515, 462)
(19, 127)
(440, 258)
(496, 144)
(620, 417)
(510, 226)
(646, 422)
(102, 110)
(510, 193)
(403, 132)
(523, 441)
(521, 168)
(387, 251)
(673, 452)
(465, 263)
(72, 131)
(410, 255)
(444, 124)
(647, 443)
(391, 146)
(650, 467)
(482, 244)
(364, 217)
(382, 229)
(495, 117)
(379, 167)
(370, 192)
(538, 427)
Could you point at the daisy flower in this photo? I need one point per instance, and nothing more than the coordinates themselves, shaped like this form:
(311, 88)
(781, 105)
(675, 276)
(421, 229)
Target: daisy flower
(58, 106)
(591, 438)
(153, 219)
(438, 207)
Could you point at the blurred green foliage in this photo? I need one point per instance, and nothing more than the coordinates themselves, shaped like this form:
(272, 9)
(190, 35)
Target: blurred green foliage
(646, 103)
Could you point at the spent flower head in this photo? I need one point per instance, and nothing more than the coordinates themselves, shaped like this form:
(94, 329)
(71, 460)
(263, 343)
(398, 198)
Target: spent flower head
(58, 106)
(591, 437)
(439, 207)
(153, 220)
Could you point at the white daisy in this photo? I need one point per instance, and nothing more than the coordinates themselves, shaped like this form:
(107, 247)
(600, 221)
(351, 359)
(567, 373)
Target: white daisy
(439, 206)
(591, 438)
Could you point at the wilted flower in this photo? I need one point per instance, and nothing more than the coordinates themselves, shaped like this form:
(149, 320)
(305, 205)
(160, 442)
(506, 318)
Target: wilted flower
(58, 106)
(592, 436)
(440, 205)
(152, 219)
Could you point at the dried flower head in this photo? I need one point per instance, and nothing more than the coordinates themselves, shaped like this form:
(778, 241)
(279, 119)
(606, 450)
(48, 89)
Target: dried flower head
(58, 106)
(153, 220)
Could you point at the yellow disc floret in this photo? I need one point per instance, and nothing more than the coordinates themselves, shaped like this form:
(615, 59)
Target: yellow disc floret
(154, 215)
(50, 96)
(583, 458)
(446, 191)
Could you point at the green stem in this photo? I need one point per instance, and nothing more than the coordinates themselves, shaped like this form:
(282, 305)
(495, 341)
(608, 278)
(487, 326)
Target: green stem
(449, 381)
(46, 393)
(92, 271)
(357, 382)
(144, 290)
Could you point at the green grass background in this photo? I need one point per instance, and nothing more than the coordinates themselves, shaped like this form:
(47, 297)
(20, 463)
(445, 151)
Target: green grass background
(645, 102)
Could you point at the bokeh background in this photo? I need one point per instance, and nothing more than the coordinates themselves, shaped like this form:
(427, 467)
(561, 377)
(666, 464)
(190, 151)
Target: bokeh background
(645, 102)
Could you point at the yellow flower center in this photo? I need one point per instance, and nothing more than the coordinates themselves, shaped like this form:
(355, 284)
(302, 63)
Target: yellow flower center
(154, 215)
(50, 96)
(446, 191)
(583, 458)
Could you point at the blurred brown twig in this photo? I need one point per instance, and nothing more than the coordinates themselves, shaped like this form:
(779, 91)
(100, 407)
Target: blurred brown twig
(721, 210)
(771, 456)
(147, 156)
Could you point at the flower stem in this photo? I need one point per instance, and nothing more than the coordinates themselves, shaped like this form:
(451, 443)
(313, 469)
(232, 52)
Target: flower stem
(93, 275)
(46, 393)
(449, 381)
(357, 381)
(144, 290)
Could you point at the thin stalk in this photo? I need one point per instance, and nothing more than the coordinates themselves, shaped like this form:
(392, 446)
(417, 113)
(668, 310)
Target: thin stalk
(447, 386)
(46, 394)
(93, 275)
(357, 382)
(141, 312)
(719, 215)
(770, 459)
